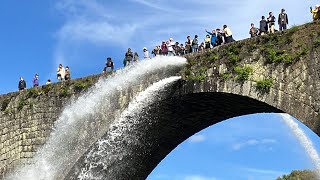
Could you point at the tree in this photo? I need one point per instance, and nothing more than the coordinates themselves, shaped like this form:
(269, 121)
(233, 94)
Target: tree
(299, 175)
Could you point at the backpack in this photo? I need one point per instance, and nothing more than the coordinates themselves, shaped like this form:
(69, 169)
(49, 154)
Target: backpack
(194, 41)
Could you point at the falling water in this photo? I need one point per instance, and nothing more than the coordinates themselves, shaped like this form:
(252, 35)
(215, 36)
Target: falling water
(304, 141)
(84, 121)
(107, 150)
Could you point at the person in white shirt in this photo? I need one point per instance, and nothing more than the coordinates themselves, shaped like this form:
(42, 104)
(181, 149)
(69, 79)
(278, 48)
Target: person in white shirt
(171, 47)
(146, 53)
(60, 73)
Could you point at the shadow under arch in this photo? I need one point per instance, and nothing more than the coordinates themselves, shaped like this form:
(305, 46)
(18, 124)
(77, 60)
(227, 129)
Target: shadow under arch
(162, 127)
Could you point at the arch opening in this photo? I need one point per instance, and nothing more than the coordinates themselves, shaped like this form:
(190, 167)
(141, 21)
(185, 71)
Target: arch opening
(164, 125)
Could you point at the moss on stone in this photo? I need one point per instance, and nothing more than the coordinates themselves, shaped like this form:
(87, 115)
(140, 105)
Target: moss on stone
(281, 48)
(264, 86)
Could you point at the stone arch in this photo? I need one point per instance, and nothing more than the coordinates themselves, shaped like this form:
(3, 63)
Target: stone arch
(169, 122)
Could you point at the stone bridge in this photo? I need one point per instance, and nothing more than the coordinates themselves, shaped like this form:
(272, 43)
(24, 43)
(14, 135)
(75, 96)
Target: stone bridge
(273, 73)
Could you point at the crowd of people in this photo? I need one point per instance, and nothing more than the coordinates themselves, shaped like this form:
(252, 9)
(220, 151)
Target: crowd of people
(169, 47)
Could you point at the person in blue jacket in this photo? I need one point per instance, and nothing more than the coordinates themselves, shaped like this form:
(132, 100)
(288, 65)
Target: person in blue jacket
(213, 38)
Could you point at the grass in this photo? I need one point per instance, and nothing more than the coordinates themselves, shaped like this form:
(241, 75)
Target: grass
(243, 73)
(264, 86)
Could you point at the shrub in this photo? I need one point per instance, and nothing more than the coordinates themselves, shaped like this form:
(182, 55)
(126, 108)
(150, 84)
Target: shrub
(243, 73)
(213, 57)
(22, 102)
(5, 104)
(226, 76)
(233, 58)
(64, 92)
(316, 43)
(32, 93)
(264, 86)
(82, 85)
(47, 88)
(273, 56)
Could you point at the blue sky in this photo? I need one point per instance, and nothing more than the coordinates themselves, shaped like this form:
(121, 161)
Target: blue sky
(253, 147)
(38, 35)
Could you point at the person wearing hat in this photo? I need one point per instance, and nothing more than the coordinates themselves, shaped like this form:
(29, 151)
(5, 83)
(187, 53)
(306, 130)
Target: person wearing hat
(36, 80)
(315, 12)
(22, 84)
(146, 53)
(283, 20)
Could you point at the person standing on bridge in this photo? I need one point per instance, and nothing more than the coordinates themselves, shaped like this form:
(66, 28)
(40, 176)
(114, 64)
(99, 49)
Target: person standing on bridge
(146, 54)
(22, 85)
(315, 12)
(109, 64)
(60, 73)
(220, 37)
(271, 21)
(253, 31)
(213, 39)
(263, 26)
(171, 46)
(195, 44)
(135, 57)
(164, 48)
(283, 20)
(207, 41)
(128, 57)
(36, 80)
(188, 43)
(228, 34)
(67, 75)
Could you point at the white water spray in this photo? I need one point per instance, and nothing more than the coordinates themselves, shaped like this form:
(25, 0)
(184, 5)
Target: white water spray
(108, 151)
(80, 123)
(304, 141)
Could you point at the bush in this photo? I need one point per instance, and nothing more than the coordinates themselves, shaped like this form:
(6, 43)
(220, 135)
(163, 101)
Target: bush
(316, 43)
(264, 86)
(273, 56)
(32, 93)
(22, 102)
(64, 92)
(226, 76)
(82, 85)
(233, 58)
(243, 73)
(5, 104)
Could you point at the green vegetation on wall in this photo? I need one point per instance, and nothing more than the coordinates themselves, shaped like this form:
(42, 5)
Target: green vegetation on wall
(282, 48)
(299, 175)
(242, 73)
(264, 86)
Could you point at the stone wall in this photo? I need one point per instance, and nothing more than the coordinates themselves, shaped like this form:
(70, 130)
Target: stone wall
(282, 70)
(27, 118)
(273, 73)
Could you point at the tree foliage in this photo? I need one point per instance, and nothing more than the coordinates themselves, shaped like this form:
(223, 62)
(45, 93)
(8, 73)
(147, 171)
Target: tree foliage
(299, 175)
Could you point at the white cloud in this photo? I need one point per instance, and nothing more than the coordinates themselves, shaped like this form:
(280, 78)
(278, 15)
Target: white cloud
(198, 177)
(253, 142)
(96, 32)
(145, 23)
(264, 171)
(197, 138)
